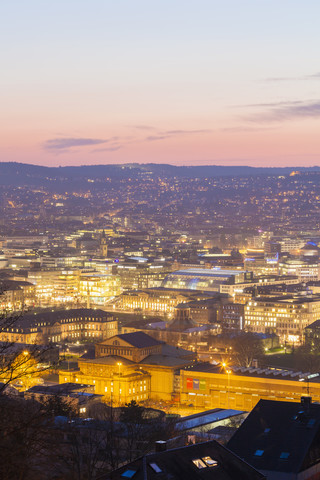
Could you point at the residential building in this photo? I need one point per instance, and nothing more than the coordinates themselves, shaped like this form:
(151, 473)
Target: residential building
(204, 461)
(281, 439)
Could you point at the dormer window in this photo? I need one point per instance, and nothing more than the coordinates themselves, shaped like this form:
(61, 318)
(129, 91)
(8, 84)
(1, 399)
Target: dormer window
(116, 342)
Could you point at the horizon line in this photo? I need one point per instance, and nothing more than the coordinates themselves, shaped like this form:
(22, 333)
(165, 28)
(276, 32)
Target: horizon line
(159, 164)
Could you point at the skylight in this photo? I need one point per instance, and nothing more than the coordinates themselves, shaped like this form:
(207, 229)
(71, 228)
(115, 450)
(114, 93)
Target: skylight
(311, 422)
(199, 463)
(155, 467)
(258, 453)
(128, 473)
(284, 455)
(210, 462)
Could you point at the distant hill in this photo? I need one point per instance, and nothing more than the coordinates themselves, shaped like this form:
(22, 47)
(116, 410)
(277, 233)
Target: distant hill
(17, 174)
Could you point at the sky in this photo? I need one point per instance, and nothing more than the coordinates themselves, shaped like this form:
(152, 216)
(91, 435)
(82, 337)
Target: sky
(221, 82)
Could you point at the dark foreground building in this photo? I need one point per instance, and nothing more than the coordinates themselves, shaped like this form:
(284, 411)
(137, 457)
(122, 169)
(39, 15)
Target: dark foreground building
(208, 460)
(281, 439)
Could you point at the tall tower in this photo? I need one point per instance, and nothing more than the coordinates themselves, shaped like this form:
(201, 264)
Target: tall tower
(103, 245)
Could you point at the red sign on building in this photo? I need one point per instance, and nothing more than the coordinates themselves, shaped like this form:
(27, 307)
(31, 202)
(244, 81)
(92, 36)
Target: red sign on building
(189, 383)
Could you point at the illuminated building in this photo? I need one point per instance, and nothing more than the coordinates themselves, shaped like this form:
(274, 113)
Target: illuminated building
(208, 280)
(262, 266)
(181, 331)
(305, 270)
(312, 336)
(212, 386)
(66, 286)
(79, 397)
(15, 295)
(98, 288)
(158, 300)
(260, 281)
(3, 260)
(132, 366)
(291, 245)
(232, 316)
(140, 273)
(61, 326)
(310, 250)
(285, 316)
(54, 286)
(103, 245)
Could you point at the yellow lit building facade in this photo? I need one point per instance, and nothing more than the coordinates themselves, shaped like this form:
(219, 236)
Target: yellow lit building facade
(132, 366)
(97, 289)
(61, 326)
(158, 300)
(214, 387)
(285, 316)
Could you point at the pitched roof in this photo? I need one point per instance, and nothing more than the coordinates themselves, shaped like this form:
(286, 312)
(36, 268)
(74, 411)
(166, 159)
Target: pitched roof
(179, 464)
(315, 324)
(139, 339)
(33, 319)
(279, 436)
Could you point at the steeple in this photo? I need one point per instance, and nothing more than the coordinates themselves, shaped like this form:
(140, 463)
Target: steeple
(103, 245)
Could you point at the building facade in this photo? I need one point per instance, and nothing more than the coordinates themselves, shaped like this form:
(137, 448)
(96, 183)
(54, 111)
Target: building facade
(287, 317)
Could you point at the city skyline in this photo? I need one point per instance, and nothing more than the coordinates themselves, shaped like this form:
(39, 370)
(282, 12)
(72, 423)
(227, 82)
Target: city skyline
(182, 84)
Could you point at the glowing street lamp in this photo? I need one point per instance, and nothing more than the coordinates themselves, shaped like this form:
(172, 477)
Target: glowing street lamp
(119, 365)
(228, 372)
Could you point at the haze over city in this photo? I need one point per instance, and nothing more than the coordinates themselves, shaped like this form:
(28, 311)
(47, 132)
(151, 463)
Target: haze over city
(185, 83)
(159, 240)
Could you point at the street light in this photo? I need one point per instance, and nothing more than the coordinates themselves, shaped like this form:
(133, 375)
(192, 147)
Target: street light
(228, 373)
(119, 365)
(68, 350)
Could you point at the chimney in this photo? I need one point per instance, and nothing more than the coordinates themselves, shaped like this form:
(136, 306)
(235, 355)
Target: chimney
(306, 402)
(160, 446)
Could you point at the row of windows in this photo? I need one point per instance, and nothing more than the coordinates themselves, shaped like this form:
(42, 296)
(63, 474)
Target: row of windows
(81, 326)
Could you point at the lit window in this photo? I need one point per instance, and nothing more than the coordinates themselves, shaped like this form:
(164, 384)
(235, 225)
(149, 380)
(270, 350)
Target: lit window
(199, 463)
(210, 462)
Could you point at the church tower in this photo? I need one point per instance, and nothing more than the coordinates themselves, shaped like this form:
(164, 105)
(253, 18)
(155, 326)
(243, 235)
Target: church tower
(103, 245)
